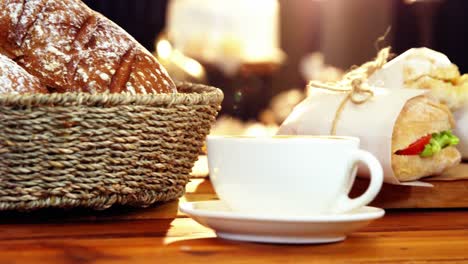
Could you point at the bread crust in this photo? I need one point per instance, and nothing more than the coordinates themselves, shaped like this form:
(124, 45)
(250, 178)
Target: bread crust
(411, 168)
(15, 80)
(71, 48)
(421, 116)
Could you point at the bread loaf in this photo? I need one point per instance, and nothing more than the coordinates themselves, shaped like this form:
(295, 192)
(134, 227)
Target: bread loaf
(71, 48)
(15, 80)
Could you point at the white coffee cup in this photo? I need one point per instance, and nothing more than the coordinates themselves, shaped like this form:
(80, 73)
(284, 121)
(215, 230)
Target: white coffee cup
(290, 175)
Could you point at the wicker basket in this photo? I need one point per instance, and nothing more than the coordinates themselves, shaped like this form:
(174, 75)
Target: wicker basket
(81, 150)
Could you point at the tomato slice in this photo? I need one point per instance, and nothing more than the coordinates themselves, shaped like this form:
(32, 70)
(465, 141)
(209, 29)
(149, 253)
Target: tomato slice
(416, 148)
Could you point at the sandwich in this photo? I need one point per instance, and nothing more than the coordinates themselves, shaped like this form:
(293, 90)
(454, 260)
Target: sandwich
(423, 68)
(422, 142)
(409, 132)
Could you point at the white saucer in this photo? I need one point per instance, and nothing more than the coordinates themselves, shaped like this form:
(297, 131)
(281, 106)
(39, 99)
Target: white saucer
(285, 230)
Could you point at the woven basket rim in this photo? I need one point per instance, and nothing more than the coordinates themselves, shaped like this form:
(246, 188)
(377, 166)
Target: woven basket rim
(189, 94)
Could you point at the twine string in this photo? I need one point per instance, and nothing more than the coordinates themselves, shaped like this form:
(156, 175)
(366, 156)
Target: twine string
(355, 84)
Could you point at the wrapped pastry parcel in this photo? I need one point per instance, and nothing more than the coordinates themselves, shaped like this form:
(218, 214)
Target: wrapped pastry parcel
(397, 126)
(423, 68)
(413, 67)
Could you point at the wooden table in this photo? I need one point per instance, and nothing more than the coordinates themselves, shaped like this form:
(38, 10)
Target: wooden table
(163, 235)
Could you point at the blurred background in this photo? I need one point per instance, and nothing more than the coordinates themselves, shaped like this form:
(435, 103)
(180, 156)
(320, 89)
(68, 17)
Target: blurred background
(262, 52)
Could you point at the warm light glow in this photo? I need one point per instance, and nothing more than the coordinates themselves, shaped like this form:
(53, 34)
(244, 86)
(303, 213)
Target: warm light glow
(188, 65)
(193, 68)
(164, 49)
(166, 52)
(409, 2)
(226, 33)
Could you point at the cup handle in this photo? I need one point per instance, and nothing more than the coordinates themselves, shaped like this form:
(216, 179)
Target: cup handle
(345, 203)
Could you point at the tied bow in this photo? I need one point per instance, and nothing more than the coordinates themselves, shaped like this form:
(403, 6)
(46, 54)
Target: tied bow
(355, 84)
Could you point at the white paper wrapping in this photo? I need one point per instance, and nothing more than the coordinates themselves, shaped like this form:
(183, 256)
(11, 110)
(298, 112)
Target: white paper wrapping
(372, 121)
(418, 62)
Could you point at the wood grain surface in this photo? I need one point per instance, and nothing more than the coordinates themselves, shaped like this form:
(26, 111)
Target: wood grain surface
(446, 193)
(161, 234)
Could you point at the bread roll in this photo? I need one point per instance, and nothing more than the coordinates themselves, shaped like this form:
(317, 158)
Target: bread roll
(71, 48)
(421, 116)
(421, 62)
(15, 80)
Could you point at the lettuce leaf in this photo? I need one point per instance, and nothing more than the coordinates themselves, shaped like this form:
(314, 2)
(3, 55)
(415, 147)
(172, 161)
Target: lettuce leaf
(438, 142)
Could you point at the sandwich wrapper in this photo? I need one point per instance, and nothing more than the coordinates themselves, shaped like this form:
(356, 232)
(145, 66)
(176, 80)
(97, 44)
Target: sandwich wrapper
(417, 63)
(372, 122)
